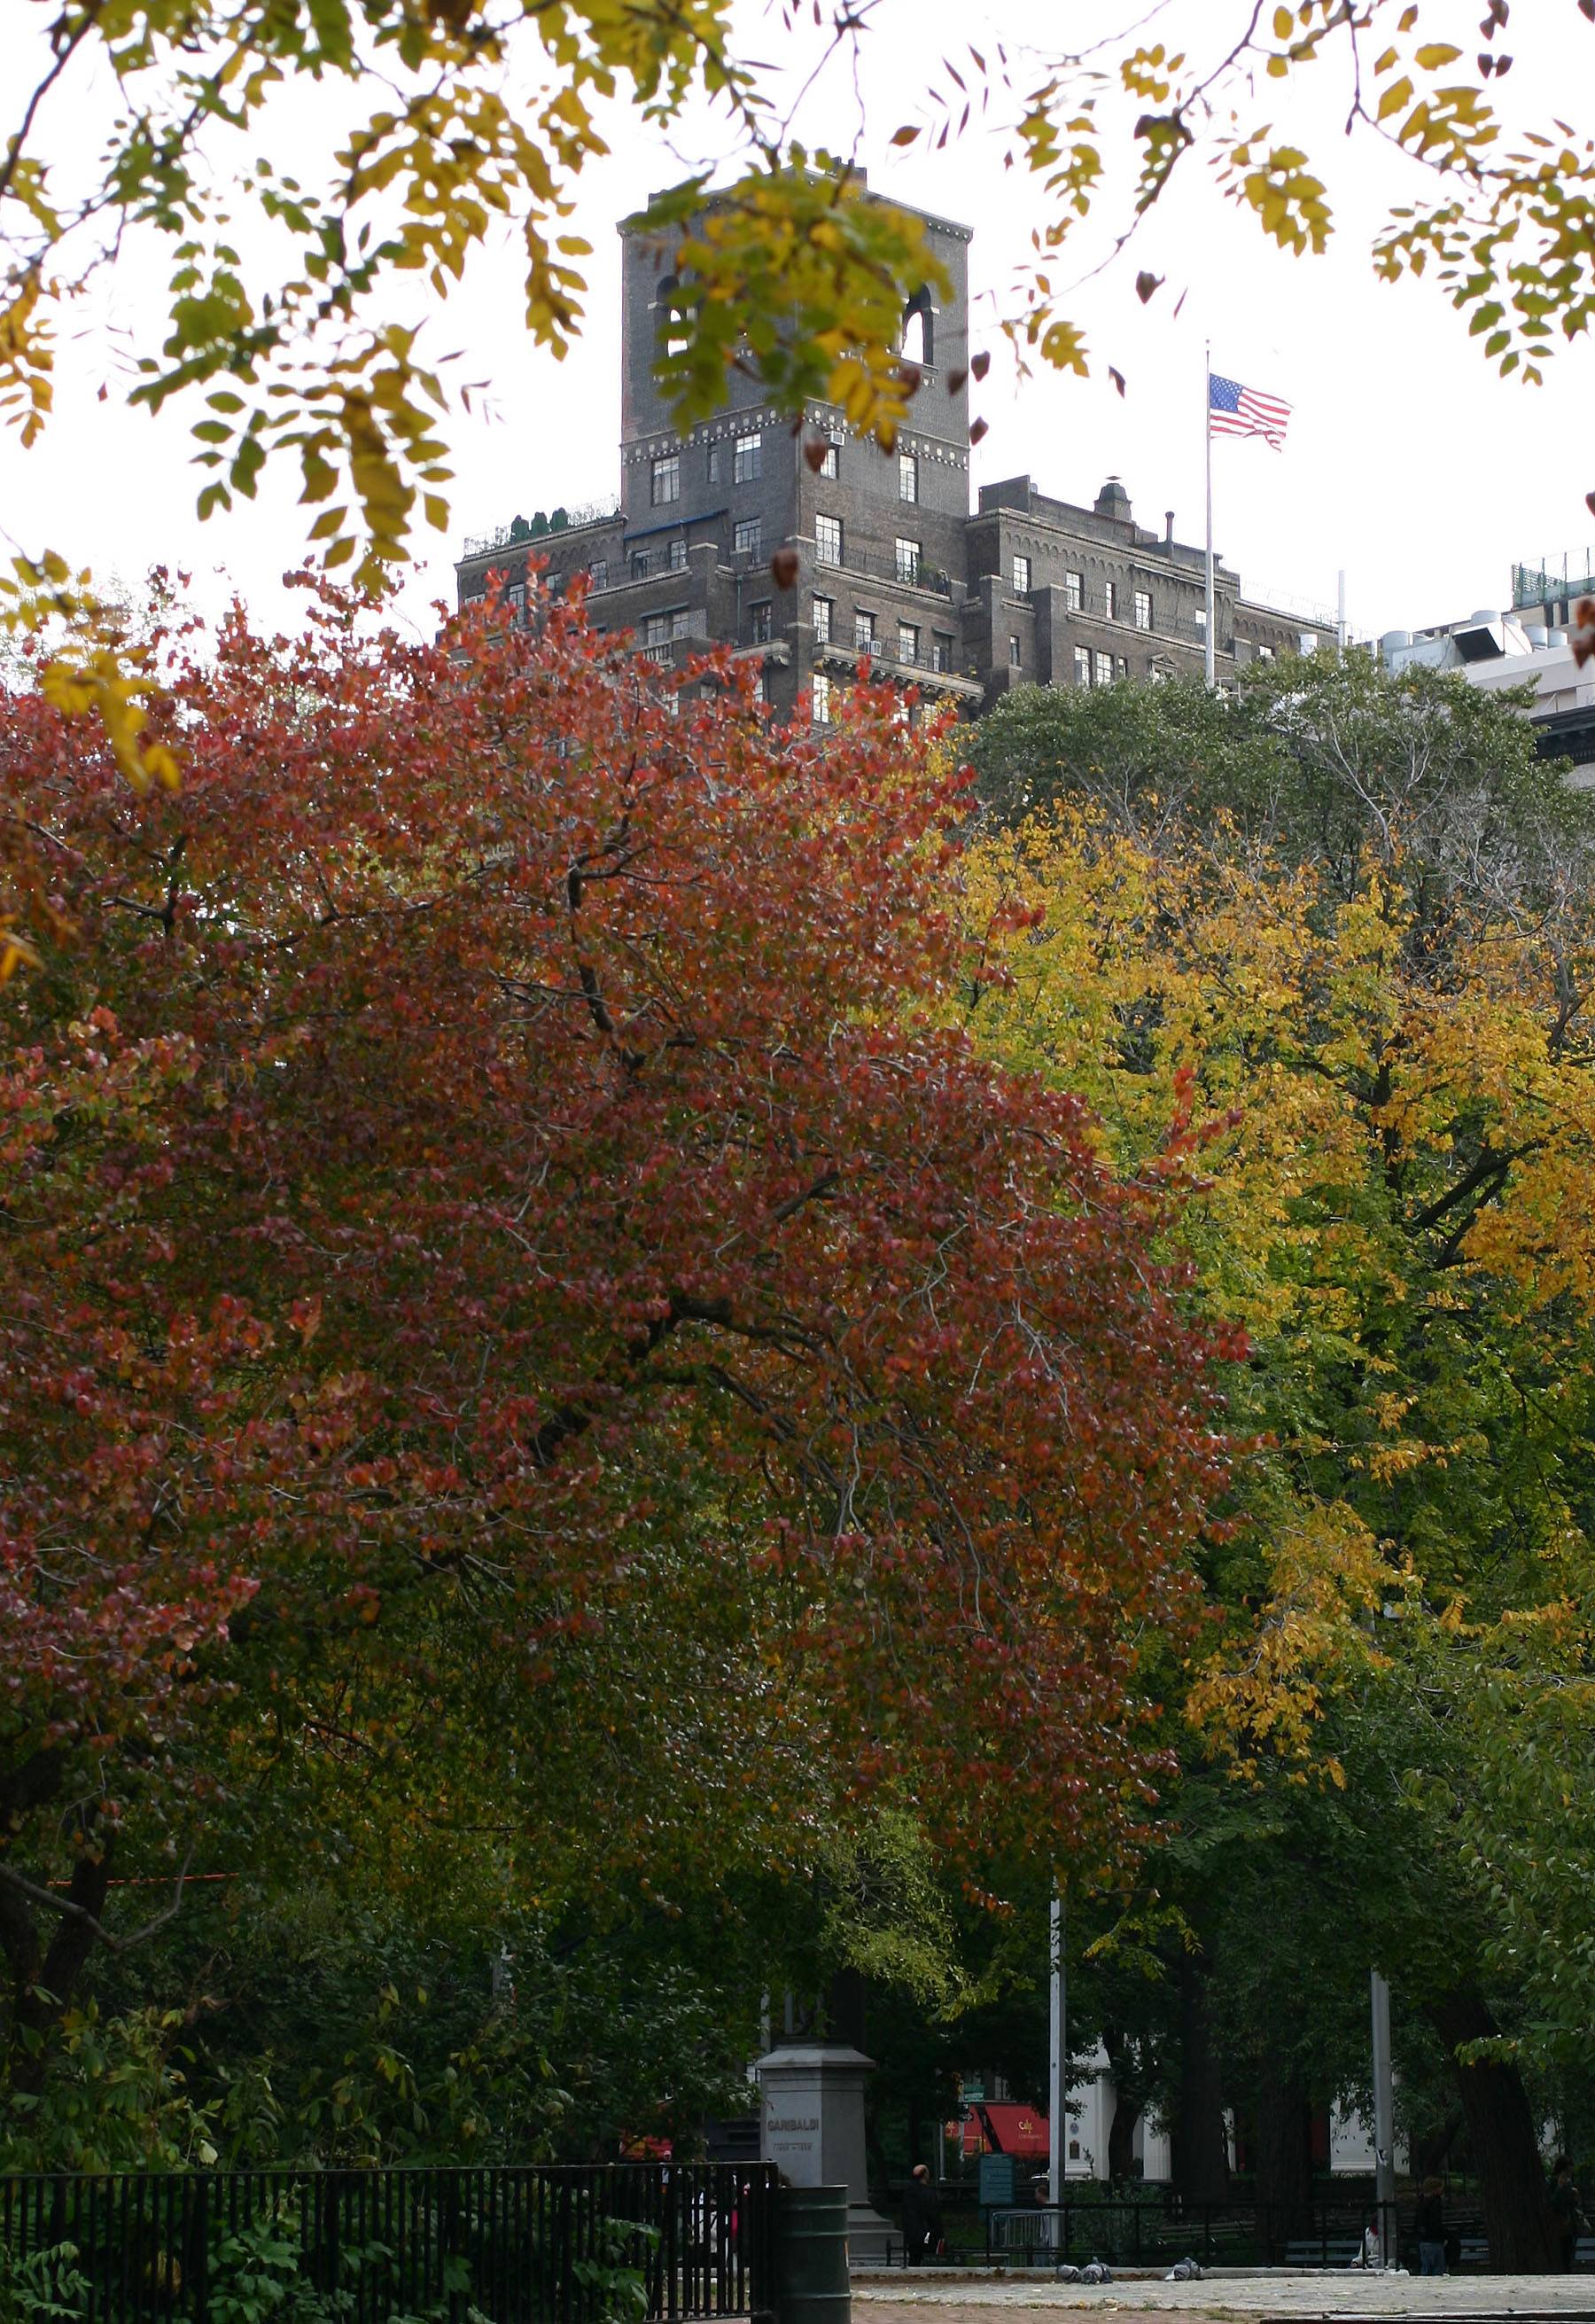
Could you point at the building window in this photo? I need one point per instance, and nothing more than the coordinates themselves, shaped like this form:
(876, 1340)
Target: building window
(640, 565)
(1120, 666)
(907, 642)
(659, 633)
(1265, 653)
(1143, 609)
(1112, 600)
(598, 574)
(714, 464)
(764, 687)
(676, 561)
(515, 599)
(827, 539)
(1201, 620)
(666, 479)
(745, 537)
(1013, 653)
(819, 698)
(829, 465)
(907, 476)
(941, 651)
(1022, 576)
(821, 610)
(1309, 642)
(762, 622)
(908, 560)
(1082, 665)
(748, 460)
(863, 632)
(1104, 670)
(1075, 592)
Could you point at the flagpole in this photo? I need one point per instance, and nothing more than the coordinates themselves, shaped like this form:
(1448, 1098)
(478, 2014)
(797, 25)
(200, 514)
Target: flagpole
(1207, 662)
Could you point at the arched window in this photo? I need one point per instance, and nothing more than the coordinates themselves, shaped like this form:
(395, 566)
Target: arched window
(918, 340)
(670, 318)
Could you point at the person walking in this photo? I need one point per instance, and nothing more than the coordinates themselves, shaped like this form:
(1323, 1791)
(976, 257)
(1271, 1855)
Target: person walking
(922, 2217)
(1567, 2210)
(1431, 2225)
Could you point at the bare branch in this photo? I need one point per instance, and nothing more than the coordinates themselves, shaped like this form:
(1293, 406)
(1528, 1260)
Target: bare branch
(50, 1902)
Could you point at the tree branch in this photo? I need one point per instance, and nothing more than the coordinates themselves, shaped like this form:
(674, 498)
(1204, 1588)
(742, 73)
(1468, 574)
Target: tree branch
(1486, 1172)
(48, 1901)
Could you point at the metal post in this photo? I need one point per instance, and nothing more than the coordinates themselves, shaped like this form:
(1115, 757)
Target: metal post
(1057, 2048)
(1383, 2119)
(1207, 659)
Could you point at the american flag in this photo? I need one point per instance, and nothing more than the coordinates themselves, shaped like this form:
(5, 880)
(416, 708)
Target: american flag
(1236, 410)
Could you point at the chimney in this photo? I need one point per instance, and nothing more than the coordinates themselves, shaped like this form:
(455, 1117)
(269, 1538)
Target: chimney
(1168, 528)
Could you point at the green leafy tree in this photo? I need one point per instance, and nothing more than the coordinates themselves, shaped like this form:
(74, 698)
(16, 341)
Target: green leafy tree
(1361, 947)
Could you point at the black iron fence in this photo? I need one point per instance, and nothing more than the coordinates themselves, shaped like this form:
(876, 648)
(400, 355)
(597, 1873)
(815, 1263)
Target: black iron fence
(622, 2244)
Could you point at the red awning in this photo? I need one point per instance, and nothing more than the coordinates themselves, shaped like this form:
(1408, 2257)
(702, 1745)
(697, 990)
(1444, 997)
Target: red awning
(1002, 2127)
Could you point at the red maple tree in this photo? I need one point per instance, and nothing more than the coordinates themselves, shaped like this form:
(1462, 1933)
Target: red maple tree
(491, 1155)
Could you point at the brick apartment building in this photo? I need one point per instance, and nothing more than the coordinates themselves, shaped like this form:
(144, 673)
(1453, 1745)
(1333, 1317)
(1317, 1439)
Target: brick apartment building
(890, 561)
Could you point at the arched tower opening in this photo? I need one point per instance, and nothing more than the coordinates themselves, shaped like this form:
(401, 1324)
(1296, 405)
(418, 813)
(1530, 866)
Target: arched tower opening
(918, 338)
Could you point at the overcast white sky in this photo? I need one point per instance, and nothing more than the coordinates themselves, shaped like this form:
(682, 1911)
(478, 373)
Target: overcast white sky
(1409, 463)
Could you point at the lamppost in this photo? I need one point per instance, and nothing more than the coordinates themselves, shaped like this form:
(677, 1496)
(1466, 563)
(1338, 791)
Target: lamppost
(1383, 2119)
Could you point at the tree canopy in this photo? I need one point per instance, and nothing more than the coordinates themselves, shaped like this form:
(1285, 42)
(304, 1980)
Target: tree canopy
(1350, 917)
(515, 1297)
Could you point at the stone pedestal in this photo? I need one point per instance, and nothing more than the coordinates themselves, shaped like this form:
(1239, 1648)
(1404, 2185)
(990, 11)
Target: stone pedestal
(812, 2130)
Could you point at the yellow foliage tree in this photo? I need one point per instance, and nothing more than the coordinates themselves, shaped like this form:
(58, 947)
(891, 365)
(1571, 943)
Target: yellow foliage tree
(1344, 992)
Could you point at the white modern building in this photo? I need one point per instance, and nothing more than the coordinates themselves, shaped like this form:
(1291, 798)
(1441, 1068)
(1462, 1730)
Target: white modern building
(1528, 645)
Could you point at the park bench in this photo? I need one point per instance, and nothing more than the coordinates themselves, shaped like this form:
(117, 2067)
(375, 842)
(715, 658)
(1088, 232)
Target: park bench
(1323, 2251)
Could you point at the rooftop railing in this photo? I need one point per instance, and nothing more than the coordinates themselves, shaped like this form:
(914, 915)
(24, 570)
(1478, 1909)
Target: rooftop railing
(1535, 584)
(520, 534)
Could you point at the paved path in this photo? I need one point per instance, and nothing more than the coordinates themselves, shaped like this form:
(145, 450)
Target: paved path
(1341, 2295)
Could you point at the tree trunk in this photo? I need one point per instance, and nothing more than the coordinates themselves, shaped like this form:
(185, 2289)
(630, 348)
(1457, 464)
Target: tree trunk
(41, 2005)
(1201, 2157)
(1282, 2149)
(1129, 2103)
(1429, 2154)
(845, 2008)
(1501, 2131)
(1127, 2113)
